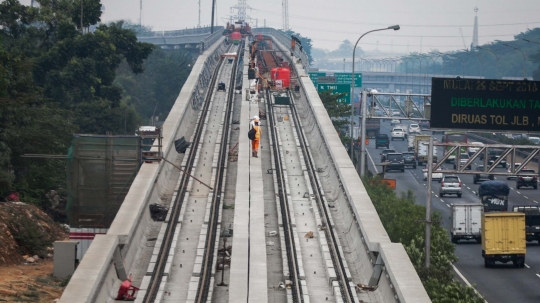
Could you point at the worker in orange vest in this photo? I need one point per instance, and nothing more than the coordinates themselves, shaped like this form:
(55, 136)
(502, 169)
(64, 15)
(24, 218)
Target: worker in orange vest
(255, 142)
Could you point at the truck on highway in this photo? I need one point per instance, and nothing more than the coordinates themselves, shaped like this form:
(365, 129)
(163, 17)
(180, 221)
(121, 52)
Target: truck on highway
(466, 222)
(532, 221)
(421, 145)
(494, 195)
(373, 127)
(503, 238)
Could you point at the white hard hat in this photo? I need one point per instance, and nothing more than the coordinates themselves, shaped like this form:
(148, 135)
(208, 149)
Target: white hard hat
(256, 117)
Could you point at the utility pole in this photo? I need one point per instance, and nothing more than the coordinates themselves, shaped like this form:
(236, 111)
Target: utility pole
(428, 202)
(140, 15)
(213, 8)
(199, 23)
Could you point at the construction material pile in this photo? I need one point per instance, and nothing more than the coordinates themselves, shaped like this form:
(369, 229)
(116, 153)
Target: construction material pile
(26, 230)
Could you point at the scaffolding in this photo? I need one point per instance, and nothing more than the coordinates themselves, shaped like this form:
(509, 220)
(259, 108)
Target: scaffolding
(100, 171)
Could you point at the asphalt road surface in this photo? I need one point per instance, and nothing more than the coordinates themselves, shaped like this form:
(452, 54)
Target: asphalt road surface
(501, 284)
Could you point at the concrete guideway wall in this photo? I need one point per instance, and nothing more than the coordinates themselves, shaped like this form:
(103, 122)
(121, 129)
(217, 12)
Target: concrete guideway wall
(95, 279)
(400, 280)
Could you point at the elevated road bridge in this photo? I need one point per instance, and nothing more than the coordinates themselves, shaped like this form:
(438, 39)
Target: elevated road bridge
(294, 224)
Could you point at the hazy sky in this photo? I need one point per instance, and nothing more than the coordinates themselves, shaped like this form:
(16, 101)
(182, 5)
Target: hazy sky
(425, 24)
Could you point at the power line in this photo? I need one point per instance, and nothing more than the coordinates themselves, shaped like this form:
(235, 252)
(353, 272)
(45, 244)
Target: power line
(403, 25)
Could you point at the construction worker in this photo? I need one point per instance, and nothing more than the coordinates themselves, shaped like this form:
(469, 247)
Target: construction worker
(255, 142)
(252, 123)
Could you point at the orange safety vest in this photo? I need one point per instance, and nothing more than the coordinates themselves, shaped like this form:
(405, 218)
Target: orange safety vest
(258, 132)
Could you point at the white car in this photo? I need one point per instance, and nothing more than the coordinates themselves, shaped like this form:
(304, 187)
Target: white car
(462, 160)
(510, 171)
(414, 128)
(398, 133)
(396, 112)
(434, 175)
(395, 122)
(472, 149)
(535, 140)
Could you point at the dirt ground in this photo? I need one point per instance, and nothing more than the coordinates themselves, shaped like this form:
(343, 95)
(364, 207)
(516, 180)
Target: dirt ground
(30, 283)
(26, 230)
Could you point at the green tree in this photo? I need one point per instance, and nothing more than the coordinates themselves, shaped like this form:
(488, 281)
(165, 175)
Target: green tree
(339, 113)
(400, 218)
(154, 92)
(57, 81)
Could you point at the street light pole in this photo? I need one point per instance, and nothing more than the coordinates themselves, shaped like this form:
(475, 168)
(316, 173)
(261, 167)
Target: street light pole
(524, 58)
(363, 113)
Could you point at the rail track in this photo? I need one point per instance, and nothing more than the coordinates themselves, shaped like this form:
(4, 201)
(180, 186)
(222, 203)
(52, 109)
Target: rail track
(347, 294)
(169, 235)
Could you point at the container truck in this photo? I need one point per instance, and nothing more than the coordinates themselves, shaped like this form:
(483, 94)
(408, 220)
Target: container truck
(410, 142)
(373, 127)
(494, 195)
(421, 145)
(503, 238)
(532, 221)
(466, 222)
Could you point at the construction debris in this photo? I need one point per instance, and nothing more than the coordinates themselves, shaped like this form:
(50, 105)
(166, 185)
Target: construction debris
(364, 287)
(158, 212)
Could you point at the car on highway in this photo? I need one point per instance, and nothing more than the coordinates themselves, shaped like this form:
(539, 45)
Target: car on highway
(495, 158)
(434, 174)
(414, 129)
(382, 140)
(410, 159)
(527, 181)
(384, 153)
(424, 124)
(481, 176)
(463, 159)
(398, 133)
(510, 177)
(535, 140)
(395, 122)
(395, 162)
(473, 149)
(396, 113)
(491, 153)
(450, 185)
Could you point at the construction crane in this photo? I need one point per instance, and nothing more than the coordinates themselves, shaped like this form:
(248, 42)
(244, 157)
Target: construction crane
(462, 38)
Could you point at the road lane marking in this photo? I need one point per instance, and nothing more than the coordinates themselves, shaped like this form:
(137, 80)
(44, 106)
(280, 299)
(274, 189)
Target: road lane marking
(467, 281)
(518, 192)
(442, 200)
(527, 265)
(468, 187)
(538, 275)
(447, 205)
(525, 197)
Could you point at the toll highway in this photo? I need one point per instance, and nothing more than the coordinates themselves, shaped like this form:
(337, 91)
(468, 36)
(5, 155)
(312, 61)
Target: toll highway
(504, 283)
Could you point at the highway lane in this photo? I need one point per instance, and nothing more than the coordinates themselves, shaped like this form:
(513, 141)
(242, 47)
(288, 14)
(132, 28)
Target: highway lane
(501, 284)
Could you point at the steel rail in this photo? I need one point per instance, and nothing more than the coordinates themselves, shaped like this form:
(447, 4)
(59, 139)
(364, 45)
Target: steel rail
(285, 211)
(161, 261)
(337, 258)
(208, 257)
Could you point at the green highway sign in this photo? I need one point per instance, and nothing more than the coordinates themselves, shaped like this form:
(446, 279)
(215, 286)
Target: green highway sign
(346, 79)
(314, 76)
(337, 89)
